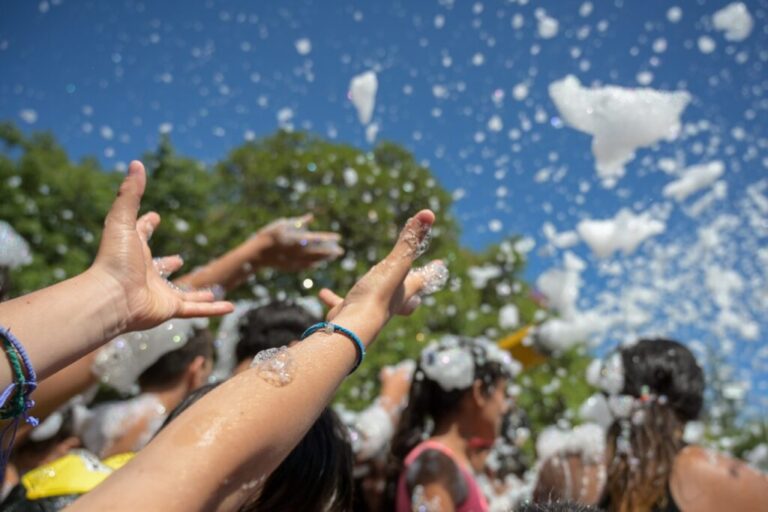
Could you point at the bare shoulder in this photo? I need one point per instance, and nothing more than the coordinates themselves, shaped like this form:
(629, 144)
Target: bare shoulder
(707, 480)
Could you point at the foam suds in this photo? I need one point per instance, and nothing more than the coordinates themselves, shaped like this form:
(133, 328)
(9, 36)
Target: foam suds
(275, 366)
(435, 275)
(416, 238)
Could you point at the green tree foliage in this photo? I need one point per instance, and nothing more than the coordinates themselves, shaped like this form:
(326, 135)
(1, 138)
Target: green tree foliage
(57, 205)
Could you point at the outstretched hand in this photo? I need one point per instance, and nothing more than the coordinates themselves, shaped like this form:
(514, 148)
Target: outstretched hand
(288, 245)
(389, 287)
(124, 259)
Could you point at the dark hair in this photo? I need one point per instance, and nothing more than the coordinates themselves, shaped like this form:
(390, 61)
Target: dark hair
(642, 449)
(320, 465)
(668, 369)
(428, 404)
(171, 366)
(271, 326)
(555, 506)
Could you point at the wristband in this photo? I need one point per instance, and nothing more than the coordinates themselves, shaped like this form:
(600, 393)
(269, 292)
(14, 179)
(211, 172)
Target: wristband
(331, 328)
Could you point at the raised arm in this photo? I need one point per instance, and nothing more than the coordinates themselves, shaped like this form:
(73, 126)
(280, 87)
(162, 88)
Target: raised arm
(220, 448)
(120, 292)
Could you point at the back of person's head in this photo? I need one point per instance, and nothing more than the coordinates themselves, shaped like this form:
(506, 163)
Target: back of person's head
(315, 477)
(274, 325)
(173, 365)
(445, 373)
(665, 387)
(665, 368)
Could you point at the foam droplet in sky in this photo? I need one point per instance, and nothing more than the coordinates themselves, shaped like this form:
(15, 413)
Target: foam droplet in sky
(362, 93)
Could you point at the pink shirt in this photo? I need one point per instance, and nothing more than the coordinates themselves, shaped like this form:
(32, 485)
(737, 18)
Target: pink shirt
(475, 501)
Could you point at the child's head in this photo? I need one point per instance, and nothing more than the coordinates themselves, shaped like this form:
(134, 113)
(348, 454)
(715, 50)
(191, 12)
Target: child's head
(191, 363)
(457, 378)
(274, 325)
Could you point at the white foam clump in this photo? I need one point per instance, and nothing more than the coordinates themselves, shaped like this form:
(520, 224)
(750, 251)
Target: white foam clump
(706, 45)
(734, 20)
(509, 316)
(226, 339)
(14, 250)
(587, 440)
(451, 363)
(362, 93)
(481, 275)
(370, 431)
(547, 27)
(557, 334)
(595, 409)
(371, 131)
(452, 368)
(621, 120)
(121, 361)
(607, 375)
(561, 286)
(561, 240)
(693, 179)
(625, 232)
(28, 115)
(303, 46)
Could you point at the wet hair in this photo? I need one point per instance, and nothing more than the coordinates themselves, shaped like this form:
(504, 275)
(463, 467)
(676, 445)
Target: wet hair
(666, 378)
(429, 403)
(171, 366)
(271, 326)
(321, 464)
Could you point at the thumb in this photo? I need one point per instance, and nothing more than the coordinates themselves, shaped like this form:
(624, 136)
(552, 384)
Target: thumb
(409, 246)
(125, 209)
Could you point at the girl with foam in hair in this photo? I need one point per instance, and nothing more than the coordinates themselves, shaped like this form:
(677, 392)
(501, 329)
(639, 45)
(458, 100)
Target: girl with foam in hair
(650, 391)
(457, 400)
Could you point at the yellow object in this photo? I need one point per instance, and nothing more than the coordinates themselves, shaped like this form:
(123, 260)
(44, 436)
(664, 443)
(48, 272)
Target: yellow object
(75, 473)
(527, 355)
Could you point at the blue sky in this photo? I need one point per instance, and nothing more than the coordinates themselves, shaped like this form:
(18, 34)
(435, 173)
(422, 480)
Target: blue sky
(105, 76)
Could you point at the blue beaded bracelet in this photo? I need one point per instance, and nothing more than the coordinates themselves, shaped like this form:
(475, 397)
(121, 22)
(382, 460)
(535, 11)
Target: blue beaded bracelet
(331, 328)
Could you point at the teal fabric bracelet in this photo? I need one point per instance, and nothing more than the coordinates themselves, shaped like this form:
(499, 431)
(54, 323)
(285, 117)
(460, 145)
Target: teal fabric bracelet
(330, 328)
